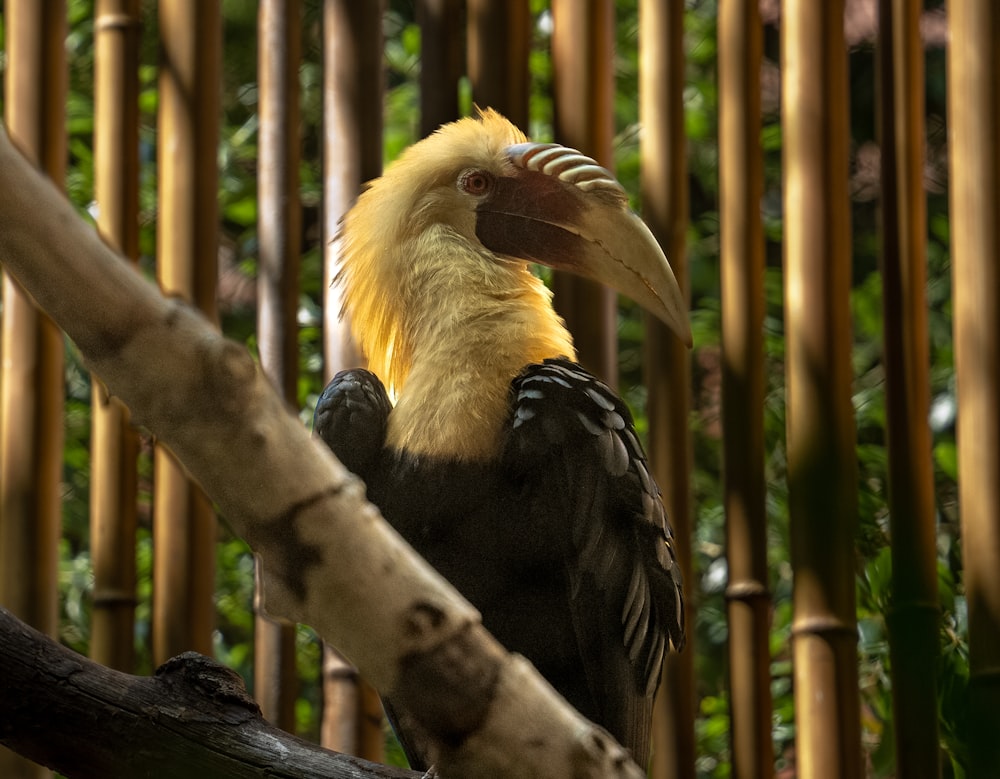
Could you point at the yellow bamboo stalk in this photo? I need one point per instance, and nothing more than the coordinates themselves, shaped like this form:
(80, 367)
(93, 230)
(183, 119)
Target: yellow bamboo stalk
(741, 186)
(352, 155)
(184, 525)
(441, 61)
(822, 469)
(974, 130)
(31, 454)
(279, 227)
(666, 360)
(31, 379)
(499, 39)
(115, 444)
(583, 107)
(914, 616)
(352, 145)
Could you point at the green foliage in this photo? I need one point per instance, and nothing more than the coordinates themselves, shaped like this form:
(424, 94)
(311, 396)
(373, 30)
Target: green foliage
(238, 155)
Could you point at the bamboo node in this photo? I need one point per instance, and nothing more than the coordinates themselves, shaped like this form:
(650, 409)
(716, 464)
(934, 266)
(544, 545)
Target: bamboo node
(112, 22)
(747, 590)
(824, 627)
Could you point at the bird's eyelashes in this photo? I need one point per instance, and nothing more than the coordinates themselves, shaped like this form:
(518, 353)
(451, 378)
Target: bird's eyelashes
(476, 182)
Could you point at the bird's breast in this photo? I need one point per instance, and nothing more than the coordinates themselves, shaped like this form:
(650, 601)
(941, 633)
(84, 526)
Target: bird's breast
(471, 521)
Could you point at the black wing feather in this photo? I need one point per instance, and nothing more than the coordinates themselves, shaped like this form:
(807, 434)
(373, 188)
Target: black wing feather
(351, 417)
(574, 439)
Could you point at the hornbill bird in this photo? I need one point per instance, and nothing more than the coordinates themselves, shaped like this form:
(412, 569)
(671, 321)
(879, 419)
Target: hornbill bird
(513, 471)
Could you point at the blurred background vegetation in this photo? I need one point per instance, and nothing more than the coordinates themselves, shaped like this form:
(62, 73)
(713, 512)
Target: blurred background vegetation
(237, 196)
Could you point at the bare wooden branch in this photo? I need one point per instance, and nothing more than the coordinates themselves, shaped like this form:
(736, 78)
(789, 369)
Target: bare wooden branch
(329, 559)
(193, 718)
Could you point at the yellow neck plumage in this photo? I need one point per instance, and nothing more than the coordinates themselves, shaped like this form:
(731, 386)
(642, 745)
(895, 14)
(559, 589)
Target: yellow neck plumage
(446, 325)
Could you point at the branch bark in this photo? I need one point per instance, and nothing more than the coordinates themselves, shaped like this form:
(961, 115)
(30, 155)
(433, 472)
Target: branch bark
(192, 718)
(329, 559)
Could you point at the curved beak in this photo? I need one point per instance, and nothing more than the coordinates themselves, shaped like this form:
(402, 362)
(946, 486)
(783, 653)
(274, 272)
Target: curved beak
(560, 208)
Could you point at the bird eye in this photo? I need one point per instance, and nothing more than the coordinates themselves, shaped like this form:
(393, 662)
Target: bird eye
(476, 182)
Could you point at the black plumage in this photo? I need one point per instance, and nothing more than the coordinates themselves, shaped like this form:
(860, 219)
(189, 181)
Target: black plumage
(561, 542)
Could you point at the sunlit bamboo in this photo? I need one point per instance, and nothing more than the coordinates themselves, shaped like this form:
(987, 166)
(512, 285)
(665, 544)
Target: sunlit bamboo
(974, 130)
(184, 526)
(31, 384)
(352, 155)
(114, 442)
(279, 228)
(822, 467)
(742, 273)
(666, 360)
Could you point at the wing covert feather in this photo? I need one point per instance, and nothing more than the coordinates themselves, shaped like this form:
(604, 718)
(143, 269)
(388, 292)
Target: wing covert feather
(574, 442)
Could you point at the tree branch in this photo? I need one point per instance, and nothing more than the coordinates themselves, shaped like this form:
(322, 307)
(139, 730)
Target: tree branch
(408, 631)
(194, 717)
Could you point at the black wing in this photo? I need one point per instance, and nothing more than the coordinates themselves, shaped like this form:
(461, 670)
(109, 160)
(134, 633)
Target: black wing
(351, 417)
(586, 476)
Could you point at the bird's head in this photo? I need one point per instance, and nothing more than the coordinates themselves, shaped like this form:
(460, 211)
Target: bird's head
(464, 210)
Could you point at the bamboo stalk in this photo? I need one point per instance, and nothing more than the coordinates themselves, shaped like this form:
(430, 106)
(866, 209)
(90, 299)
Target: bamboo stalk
(279, 228)
(974, 126)
(353, 78)
(583, 111)
(31, 447)
(822, 469)
(115, 444)
(499, 39)
(441, 61)
(914, 617)
(352, 113)
(187, 247)
(31, 379)
(741, 185)
(666, 360)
